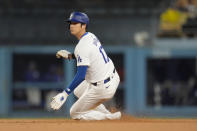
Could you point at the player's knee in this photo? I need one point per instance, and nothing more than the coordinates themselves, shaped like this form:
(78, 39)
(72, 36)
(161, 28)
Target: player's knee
(79, 90)
(73, 114)
(76, 93)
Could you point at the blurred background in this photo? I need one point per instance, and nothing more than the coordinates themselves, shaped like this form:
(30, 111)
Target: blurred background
(153, 45)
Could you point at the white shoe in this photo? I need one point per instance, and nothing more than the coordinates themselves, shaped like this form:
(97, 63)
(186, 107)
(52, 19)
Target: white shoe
(114, 116)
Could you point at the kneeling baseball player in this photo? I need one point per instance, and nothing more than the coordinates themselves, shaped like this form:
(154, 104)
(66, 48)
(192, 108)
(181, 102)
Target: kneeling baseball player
(96, 79)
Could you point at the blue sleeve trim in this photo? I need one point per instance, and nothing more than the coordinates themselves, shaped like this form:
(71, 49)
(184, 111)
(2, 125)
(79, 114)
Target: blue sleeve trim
(79, 77)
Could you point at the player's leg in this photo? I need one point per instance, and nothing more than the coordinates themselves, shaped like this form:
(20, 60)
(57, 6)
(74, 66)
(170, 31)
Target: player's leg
(111, 86)
(81, 89)
(81, 111)
(102, 109)
(83, 108)
(96, 115)
(111, 89)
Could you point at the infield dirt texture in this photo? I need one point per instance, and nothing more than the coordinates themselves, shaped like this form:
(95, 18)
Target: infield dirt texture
(127, 123)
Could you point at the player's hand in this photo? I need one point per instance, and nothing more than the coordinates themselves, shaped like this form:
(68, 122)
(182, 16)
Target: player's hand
(63, 53)
(59, 100)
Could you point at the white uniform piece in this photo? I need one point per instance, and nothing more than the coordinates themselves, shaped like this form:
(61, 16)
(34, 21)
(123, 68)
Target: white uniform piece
(89, 52)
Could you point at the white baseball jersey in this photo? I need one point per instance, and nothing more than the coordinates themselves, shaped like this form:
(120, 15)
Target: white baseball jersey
(90, 52)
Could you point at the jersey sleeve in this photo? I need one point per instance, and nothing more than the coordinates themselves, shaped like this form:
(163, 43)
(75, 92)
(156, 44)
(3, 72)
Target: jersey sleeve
(79, 77)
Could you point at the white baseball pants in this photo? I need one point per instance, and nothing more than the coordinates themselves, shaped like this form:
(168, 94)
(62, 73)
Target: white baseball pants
(88, 106)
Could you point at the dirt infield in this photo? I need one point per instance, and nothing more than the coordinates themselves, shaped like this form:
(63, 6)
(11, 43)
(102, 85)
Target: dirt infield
(127, 123)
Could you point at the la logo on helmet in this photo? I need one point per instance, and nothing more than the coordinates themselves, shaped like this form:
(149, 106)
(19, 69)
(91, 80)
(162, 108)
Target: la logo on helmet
(71, 16)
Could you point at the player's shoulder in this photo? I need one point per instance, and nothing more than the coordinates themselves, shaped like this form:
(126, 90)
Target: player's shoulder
(88, 37)
(91, 34)
(86, 40)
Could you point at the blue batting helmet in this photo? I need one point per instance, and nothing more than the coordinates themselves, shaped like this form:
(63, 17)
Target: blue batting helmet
(78, 17)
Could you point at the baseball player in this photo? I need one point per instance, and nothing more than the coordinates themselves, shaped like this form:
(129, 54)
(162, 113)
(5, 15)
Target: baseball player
(96, 79)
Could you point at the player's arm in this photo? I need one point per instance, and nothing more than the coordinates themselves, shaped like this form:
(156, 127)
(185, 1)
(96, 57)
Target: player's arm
(79, 77)
(65, 54)
(59, 99)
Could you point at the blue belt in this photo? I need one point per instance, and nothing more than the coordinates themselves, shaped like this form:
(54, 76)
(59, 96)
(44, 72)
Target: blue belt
(105, 81)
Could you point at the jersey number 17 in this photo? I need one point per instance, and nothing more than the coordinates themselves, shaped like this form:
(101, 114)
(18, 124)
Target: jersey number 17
(105, 57)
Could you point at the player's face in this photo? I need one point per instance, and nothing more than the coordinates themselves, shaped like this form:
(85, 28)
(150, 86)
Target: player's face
(75, 28)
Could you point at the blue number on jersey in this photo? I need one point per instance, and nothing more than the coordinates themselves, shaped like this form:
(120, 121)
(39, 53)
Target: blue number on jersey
(105, 57)
(102, 51)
